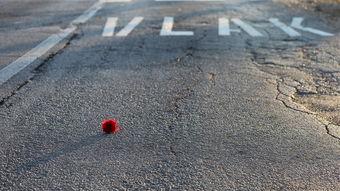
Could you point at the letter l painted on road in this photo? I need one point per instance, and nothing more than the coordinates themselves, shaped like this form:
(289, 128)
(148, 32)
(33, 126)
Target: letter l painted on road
(168, 24)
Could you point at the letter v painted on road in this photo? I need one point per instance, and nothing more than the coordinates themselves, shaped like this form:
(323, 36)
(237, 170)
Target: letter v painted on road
(111, 24)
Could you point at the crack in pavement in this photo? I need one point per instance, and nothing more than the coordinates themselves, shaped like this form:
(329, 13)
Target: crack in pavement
(285, 99)
(295, 81)
(175, 103)
(182, 63)
(327, 127)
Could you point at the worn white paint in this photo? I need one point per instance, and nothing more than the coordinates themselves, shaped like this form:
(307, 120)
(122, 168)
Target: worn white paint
(289, 30)
(110, 26)
(87, 14)
(15, 67)
(167, 26)
(224, 27)
(249, 29)
(297, 23)
(129, 27)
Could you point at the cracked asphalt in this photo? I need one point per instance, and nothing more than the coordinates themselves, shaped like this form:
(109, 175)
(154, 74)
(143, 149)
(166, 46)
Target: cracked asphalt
(201, 112)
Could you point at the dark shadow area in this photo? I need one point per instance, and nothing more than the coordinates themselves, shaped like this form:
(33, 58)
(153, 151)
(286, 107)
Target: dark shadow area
(87, 141)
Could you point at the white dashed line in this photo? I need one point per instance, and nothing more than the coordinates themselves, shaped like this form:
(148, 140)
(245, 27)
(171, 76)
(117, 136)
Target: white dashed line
(129, 27)
(25, 60)
(290, 31)
(167, 29)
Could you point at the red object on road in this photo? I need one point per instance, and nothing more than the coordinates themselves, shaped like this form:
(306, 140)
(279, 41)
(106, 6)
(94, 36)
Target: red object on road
(110, 126)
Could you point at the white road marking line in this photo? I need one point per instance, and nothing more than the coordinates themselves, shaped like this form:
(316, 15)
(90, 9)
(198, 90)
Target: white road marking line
(290, 31)
(114, 1)
(224, 28)
(297, 21)
(110, 26)
(88, 14)
(249, 29)
(129, 27)
(15, 67)
(167, 26)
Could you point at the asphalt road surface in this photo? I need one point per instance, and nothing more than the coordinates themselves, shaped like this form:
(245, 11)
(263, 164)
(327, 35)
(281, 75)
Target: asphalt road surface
(202, 91)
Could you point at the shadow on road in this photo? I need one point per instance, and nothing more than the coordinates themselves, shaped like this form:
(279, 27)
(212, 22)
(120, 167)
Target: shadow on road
(90, 140)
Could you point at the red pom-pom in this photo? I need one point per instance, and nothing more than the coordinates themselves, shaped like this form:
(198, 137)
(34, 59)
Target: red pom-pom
(110, 126)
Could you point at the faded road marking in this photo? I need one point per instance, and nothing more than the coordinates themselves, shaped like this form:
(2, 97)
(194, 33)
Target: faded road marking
(88, 14)
(167, 29)
(27, 59)
(249, 29)
(290, 31)
(297, 21)
(224, 27)
(110, 26)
